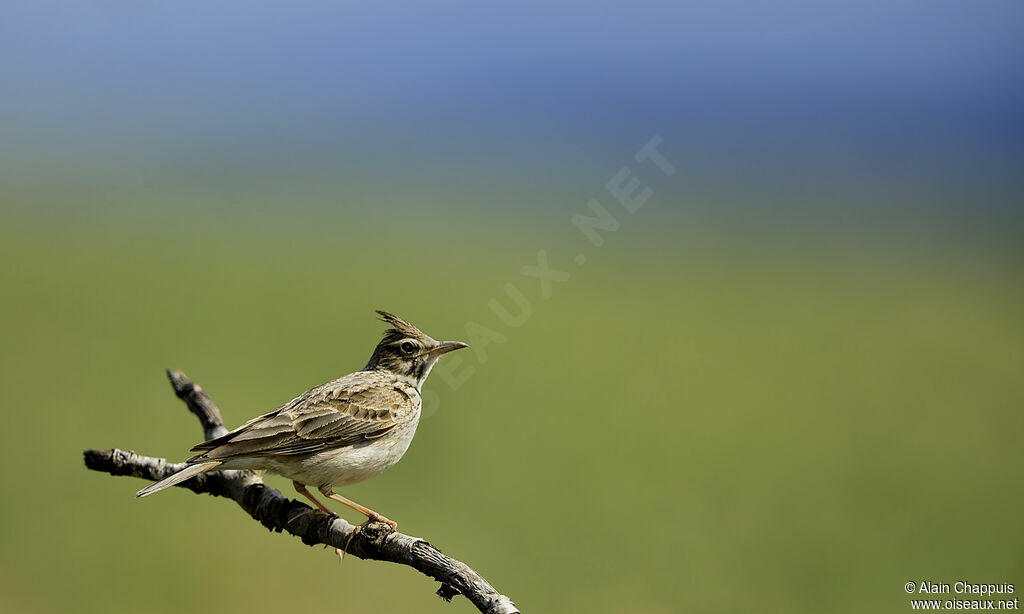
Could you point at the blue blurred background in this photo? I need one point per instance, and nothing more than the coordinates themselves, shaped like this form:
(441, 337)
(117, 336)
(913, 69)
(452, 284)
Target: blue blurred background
(792, 380)
(824, 101)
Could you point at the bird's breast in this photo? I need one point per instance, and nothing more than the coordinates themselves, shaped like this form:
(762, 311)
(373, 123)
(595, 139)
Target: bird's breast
(353, 464)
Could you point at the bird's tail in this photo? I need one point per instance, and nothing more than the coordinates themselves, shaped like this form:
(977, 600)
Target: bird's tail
(181, 476)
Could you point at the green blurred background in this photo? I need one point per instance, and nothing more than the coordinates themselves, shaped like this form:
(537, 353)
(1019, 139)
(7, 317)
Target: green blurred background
(792, 381)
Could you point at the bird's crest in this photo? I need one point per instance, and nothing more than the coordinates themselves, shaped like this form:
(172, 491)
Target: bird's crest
(401, 327)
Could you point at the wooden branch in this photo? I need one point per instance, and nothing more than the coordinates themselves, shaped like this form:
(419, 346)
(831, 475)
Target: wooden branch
(273, 510)
(199, 403)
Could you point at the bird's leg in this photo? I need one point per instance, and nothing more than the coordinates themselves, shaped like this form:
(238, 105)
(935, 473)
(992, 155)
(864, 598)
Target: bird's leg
(301, 489)
(370, 514)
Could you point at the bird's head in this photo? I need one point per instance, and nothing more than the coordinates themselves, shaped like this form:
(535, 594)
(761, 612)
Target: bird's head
(407, 351)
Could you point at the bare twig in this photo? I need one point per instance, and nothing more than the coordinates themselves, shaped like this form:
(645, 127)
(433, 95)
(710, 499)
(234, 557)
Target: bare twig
(278, 513)
(199, 403)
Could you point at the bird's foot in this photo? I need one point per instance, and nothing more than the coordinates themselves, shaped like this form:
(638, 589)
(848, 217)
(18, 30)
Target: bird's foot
(370, 520)
(380, 519)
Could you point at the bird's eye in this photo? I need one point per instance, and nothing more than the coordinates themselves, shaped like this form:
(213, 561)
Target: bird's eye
(407, 347)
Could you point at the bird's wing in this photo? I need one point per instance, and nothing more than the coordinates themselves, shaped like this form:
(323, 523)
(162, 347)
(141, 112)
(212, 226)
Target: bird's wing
(331, 416)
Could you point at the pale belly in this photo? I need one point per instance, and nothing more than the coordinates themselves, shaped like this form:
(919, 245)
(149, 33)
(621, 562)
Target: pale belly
(351, 465)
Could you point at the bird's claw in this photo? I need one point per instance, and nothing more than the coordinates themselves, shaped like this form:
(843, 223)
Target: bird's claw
(382, 520)
(391, 524)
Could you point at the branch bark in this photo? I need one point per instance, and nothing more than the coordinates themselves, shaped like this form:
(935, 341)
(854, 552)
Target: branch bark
(278, 513)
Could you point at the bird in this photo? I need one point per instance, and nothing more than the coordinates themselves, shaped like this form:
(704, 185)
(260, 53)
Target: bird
(337, 434)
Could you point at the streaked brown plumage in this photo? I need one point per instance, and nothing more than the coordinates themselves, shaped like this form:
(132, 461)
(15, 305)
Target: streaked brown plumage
(339, 433)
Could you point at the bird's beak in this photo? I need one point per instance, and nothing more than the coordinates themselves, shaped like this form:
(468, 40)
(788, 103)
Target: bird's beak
(445, 347)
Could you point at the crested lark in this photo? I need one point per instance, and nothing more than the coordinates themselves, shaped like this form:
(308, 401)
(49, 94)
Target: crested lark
(339, 433)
